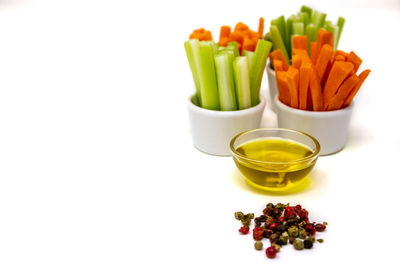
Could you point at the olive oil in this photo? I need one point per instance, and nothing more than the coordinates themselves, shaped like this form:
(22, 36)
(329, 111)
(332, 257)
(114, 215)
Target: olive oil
(274, 162)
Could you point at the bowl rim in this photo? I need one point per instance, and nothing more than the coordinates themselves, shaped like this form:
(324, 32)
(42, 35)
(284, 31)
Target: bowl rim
(308, 158)
(226, 113)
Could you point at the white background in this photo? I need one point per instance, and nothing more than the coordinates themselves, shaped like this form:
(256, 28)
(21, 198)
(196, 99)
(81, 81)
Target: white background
(97, 167)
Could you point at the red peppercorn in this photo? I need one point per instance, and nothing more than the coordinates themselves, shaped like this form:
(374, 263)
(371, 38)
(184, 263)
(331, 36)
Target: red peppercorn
(320, 227)
(298, 208)
(303, 214)
(289, 211)
(281, 219)
(244, 230)
(310, 229)
(258, 233)
(273, 226)
(270, 252)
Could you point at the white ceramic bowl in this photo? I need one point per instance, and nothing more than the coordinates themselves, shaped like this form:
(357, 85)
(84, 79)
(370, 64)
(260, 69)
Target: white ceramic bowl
(330, 128)
(213, 130)
(273, 89)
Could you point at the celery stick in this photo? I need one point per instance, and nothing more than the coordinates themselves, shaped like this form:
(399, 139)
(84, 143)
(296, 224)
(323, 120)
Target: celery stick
(250, 57)
(340, 24)
(281, 24)
(225, 79)
(235, 46)
(192, 47)
(207, 77)
(318, 18)
(226, 49)
(278, 41)
(257, 68)
(307, 10)
(289, 32)
(303, 17)
(329, 26)
(298, 28)
(267, 37)
(312, 34)
(242, 82)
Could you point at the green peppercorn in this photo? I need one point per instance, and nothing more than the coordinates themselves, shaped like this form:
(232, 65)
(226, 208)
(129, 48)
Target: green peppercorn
(239, 215)
(293, 231)
(311, 238)
(258, 245)
(276, 246)
(284, 238)
(325, 223)
(280, 206)
(298, 244)
(308, 244)
(302, 233)
(250, 216)
(320, 240)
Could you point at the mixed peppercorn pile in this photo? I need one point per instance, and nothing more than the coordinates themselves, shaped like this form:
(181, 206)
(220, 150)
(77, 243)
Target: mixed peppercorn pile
(281, 224)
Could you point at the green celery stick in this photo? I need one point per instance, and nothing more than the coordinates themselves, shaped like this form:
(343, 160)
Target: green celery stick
(340, 24)
(307, 10)
(235, 46)
(207, 76)
(289, 33)
(312, 34)
(242, 82)
(281, 24)
(298, 28)
(192, 47)
(267, 37)
(225, 79)
(329, 26)
(250, 57)
(257, 68)
(303, 16)
(318, 18)
(278, 41)
(226, 49)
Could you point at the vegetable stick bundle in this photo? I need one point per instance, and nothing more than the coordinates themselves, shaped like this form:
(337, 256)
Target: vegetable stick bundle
(228, 75)
(306, 22)
(326, 80)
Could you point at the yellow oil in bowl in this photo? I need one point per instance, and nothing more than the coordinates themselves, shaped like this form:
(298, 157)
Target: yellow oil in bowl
(275, 159)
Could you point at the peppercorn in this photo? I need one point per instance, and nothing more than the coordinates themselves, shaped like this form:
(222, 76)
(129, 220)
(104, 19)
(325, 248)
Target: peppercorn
(267, 233)
(244, 230)
(239, 215)
(273, 226)
(270, 206)
(257, 222)
(293, 231)
(251, 216)
(281, 228)
(277, 247)
(320, 227)
(308, 244)
(320, 240)
(302, 233)
(291, 240)
(284, 238)
(258, 233)
(258, 245)
(310, 229)
(311, 238)
(325, 223)
(273, 236)
(280, 206)
(278, 241)
(298, 244)
(271, 252)
(262, 218)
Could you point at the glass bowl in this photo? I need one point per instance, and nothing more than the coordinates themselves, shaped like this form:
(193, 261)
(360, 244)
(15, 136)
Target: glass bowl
(275, 159)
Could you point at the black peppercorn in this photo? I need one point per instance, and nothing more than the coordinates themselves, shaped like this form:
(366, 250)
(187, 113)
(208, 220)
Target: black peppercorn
(308, 244)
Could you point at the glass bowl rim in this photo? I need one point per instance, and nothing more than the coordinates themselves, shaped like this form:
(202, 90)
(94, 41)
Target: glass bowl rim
(308, 158)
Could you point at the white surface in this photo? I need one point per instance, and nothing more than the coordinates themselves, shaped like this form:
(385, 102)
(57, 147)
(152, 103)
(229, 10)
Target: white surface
(97, 167)
(212, 131)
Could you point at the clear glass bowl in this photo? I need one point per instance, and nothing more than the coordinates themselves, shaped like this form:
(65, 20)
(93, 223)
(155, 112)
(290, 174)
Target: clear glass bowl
(283, 157)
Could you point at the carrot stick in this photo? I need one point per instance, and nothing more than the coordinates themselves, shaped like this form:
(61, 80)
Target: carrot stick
(339, 58)
(315, 88)
(313, 52)
(224, 32)
(261, 27)
(205, 36)
(224, 41)
(200, 30)
(300, 52)
(323, 59)
(283, 87)
(300, 42)
(278, 65)
(296, 61)
(363, 75)
(236, 36)
(240, 26)
(293, 82)
(342, 53)
(248, 44)
(340, 71)
(277, 54)
(309, 97)
(324, 37)
(344, 90)
(304, 81)
(353, 58)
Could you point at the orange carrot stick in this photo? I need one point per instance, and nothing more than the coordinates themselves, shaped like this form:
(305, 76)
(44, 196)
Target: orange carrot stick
(277, 54)
(313, 52)
(305, 72)
(323, 59)
(240, 26)
(344, 90)
(237, 36)
(248, 44)
(205, 36)
(199, 30)
(353, 58)
(278, 65)
(315, 88)
(340, 70)
(339, 58)
(363, 75)
(324, 37)
(300, 42)
(296, 61)
(283, 87)
(224, 41)
(261, 27)
(342, 53)
(224, 32)
(293, 82)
